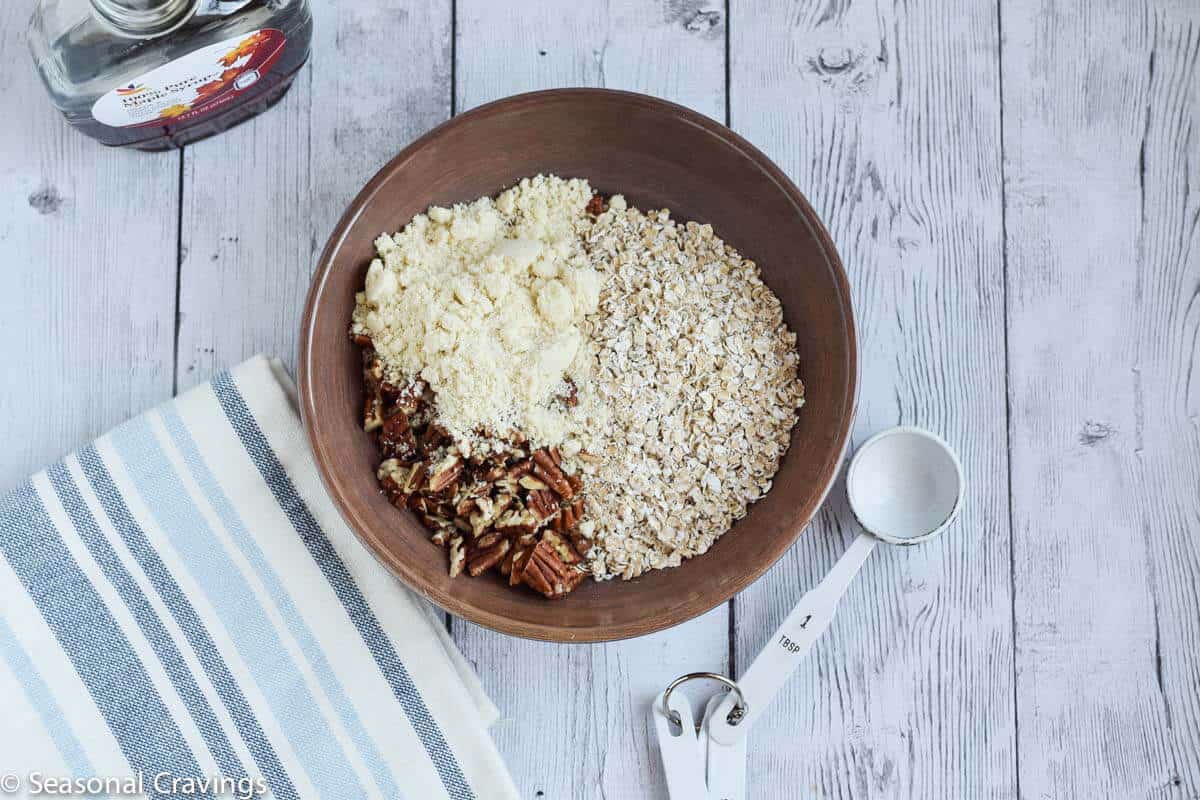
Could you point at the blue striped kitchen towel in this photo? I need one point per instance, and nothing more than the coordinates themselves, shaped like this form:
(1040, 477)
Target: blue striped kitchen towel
(183, 606)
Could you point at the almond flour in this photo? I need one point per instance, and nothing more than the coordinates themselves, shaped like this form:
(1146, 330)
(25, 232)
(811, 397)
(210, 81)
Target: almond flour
(484, 302)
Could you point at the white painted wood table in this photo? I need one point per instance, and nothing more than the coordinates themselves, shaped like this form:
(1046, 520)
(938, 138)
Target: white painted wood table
(1014, 186)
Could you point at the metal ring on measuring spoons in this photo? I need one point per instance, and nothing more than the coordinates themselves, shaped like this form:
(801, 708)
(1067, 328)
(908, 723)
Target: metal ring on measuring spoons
(736, 714)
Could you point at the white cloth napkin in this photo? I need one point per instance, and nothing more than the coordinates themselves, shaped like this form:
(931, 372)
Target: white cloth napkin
(181, 601)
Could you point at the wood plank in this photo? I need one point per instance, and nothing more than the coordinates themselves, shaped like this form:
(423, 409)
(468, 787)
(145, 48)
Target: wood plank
(888, 118)
(575, 716)
(1101, 114)
(675, 50)
(260, 200)
(88, 244)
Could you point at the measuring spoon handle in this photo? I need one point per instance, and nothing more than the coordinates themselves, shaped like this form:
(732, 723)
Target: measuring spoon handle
(790, 643)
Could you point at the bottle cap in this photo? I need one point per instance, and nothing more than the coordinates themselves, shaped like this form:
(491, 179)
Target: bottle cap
(145, 18)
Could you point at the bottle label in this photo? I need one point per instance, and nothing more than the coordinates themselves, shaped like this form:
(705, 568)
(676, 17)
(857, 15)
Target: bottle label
(194, 85)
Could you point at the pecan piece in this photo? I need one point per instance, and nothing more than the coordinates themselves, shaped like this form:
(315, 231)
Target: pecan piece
(532, 484)
(545, 468)
(445, 473)
(520, 555)
(372, 413)
(597, 205)
(489, 511)
(487, 540)
(581, 543)
(573, 512)
(372, 392)
(545, 572)
(562, 548)
(432, 521)
(484, 559)
(519, 470)
(391, 475)
(407, 400)
(542, 503)
(517, 523)
(396, 440)
(458, 556)
(435, 436)
(416, 477)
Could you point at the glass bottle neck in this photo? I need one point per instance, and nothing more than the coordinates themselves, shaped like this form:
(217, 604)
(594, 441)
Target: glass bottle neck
(144, 18)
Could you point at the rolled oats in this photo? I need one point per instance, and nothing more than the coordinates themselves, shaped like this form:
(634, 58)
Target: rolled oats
(699, 374)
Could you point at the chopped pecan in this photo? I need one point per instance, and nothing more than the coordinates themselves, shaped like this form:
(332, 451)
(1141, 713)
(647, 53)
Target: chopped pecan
(488, 506)
(520, 556)
(517, 522)
(581, 543)
(485, 558)
(363, 341)
(372, 413)
(445, 473)
(545, 572)
(415, 480)
(487, 540)
(372, 391)
(458, 556)
(542, 503)
(519, 470)
(392, 475)
(489, 511)
(573, 512)
(597, 205)
(562, 548)
(547, 470)
(408, 399)
(433, 521)
(435, 436)
(532, 484)
(396, 440)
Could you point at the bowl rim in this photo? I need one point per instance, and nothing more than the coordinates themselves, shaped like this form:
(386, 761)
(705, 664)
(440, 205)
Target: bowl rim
(412, 577)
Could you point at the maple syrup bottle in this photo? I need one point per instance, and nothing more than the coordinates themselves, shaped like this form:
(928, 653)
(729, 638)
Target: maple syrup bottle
(154, 74)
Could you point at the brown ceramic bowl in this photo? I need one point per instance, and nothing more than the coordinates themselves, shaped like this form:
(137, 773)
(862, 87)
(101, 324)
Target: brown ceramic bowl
(658, 155)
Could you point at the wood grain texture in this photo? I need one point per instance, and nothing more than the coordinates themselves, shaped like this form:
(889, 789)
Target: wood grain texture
(575, 716)
(887, 117)
(1103, 199)
(87, 248)
(259, 200)
(674, 49)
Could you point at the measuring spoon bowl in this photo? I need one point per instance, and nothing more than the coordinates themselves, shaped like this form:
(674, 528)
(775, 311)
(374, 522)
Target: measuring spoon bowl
(905, 485)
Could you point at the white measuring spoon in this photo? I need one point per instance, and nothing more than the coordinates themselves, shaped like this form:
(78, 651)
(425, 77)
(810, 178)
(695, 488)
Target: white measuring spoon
(905, 486)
